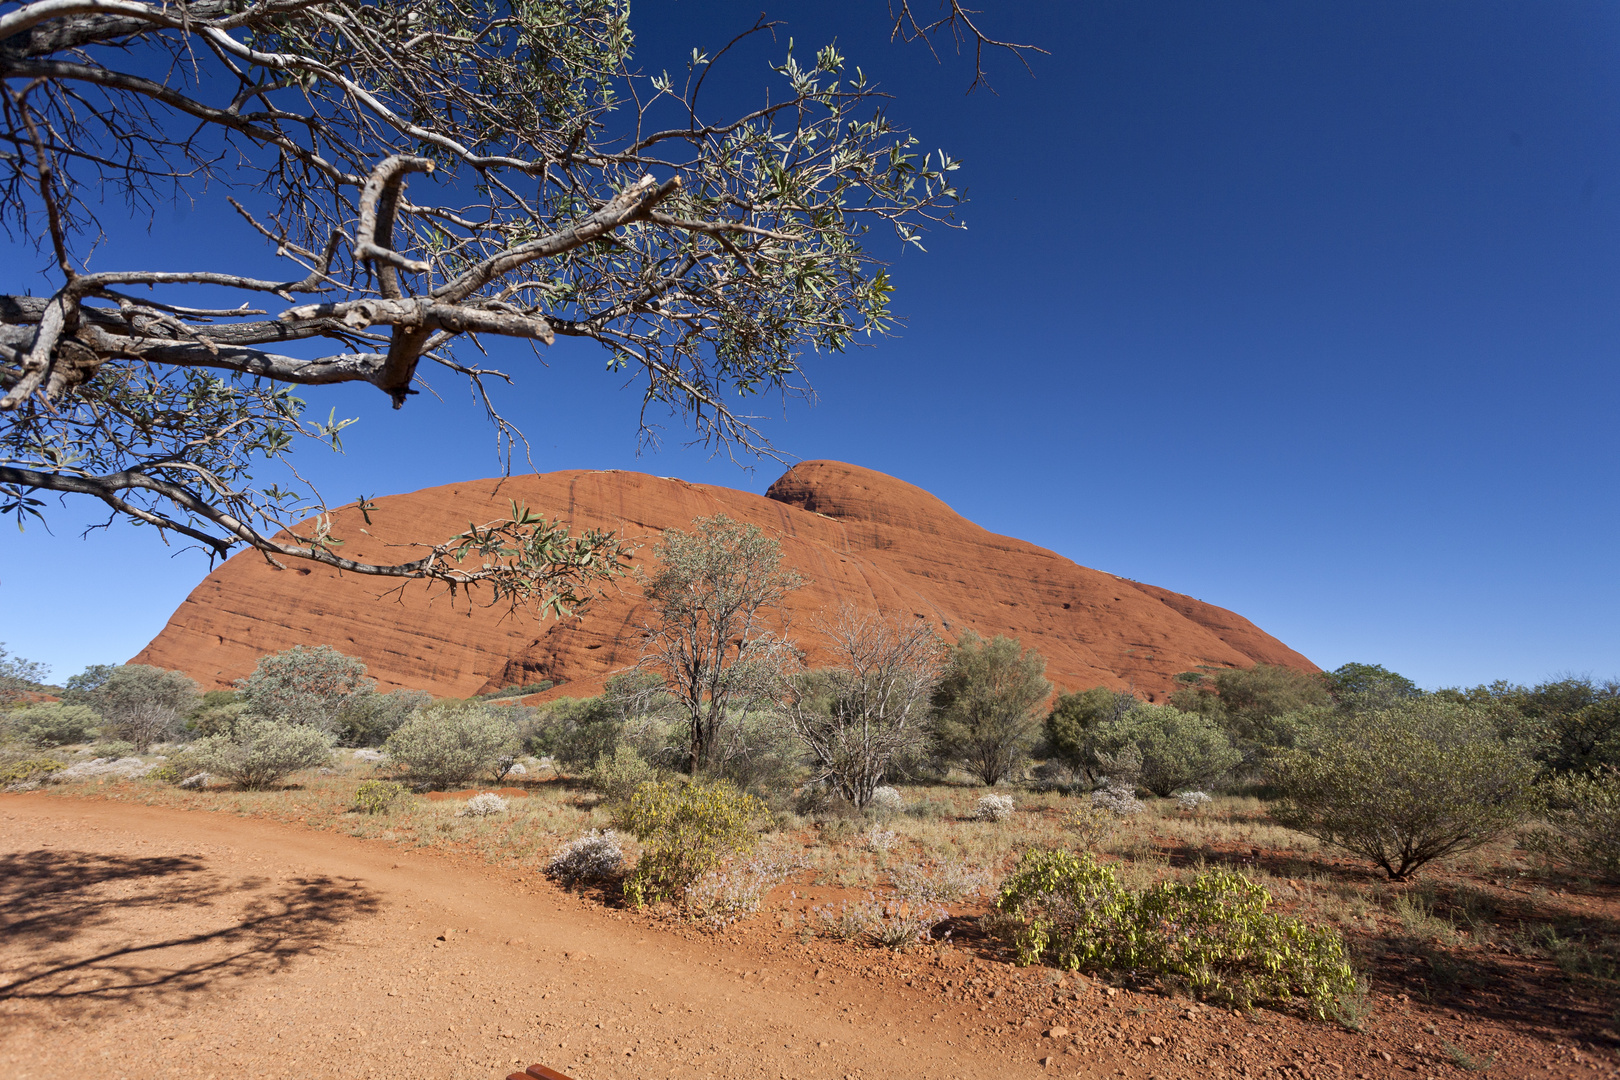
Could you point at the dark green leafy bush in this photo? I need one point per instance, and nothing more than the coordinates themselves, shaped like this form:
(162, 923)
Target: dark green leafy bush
(1178, 749)
(1401, 786)
(1212, 934)
(1584, 812)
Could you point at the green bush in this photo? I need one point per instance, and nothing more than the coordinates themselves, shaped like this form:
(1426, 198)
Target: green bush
(518, 691)
(1254, 706)
(142, 704)
(686, 830)
(450, 742)
(304, 686)
(1212, 934)
(1076, 717)
(1405, 785)
(1179, 749)
(27, 770)
(1584, 812)
(44, 726)
(616, 777)
(369, 718)
(219, 719)
(261, 753)
(377, 796)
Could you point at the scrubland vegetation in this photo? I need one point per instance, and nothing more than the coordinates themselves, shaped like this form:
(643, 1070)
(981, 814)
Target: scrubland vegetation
(1264, 837)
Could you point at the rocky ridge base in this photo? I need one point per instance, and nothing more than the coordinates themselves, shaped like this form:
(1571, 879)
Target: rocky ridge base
(857, 535)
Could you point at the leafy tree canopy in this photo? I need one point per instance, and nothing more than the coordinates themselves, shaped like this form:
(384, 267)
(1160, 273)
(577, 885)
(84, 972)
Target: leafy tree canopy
(430, 174)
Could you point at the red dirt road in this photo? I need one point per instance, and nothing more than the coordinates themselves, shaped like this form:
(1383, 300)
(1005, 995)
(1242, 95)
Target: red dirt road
(143, 942)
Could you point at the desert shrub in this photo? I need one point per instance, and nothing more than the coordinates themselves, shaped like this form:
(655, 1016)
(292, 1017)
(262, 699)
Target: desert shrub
(1212, 934)
(518, 691)
(484, 804)
(758, 752)
(142, 704)
(19, 676)
(114, 748)
(886, 801)
(1057, 776)
(260, 753)
(28, 770)
(893, 923)
(1118, 800)
(367, 718)
(686, 830)
(45, 726)
(1092, 824)
(304, 686)
(377, 796)
(617, 777)
(217, 719)
(1584, 812)
(986, 706)
(950, 880)
(573, 732)
(1192, 802)
(591, 857)
(878, 840)
(105, 768)
(993, 808)
(721, 897)
(1405, 785)
(1178, 749)
(1076, 717)
(451, 742)
(1254, 705)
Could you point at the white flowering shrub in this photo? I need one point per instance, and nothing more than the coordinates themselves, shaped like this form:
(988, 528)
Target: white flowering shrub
(721, 897)
(886, 800)
(994, 808)
(593, 856)
(1118, 800)
(124, 768)
(895, 923)
(878, 840)
(950, 880)
(1192, 801)
(195, 781)
(483, 805)
(518, 769)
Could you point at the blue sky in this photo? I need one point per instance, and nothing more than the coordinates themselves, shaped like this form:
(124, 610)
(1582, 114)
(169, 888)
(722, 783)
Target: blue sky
(1307, 310)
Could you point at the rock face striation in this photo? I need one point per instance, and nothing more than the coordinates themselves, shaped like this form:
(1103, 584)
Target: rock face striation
(857, 536)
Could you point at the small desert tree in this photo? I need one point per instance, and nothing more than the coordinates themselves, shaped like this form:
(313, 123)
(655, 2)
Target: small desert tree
(987, 706)
(1252, 704)
(1404, 785)
(871, 706)
(309, 686)
(1177, 750)
(711, 594)
(1076, 718)
(142, 704)
(18, 676)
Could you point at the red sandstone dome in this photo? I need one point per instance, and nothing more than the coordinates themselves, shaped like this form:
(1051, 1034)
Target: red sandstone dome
(857, 535)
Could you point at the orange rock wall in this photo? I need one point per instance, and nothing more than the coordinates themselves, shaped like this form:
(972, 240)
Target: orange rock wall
(857, 535)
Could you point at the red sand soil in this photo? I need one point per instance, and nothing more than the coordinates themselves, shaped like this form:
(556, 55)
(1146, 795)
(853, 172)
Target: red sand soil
(857, 535)
(144, 942)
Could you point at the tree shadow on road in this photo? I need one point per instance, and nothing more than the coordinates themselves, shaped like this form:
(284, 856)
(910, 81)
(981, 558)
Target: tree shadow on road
(81, 930)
